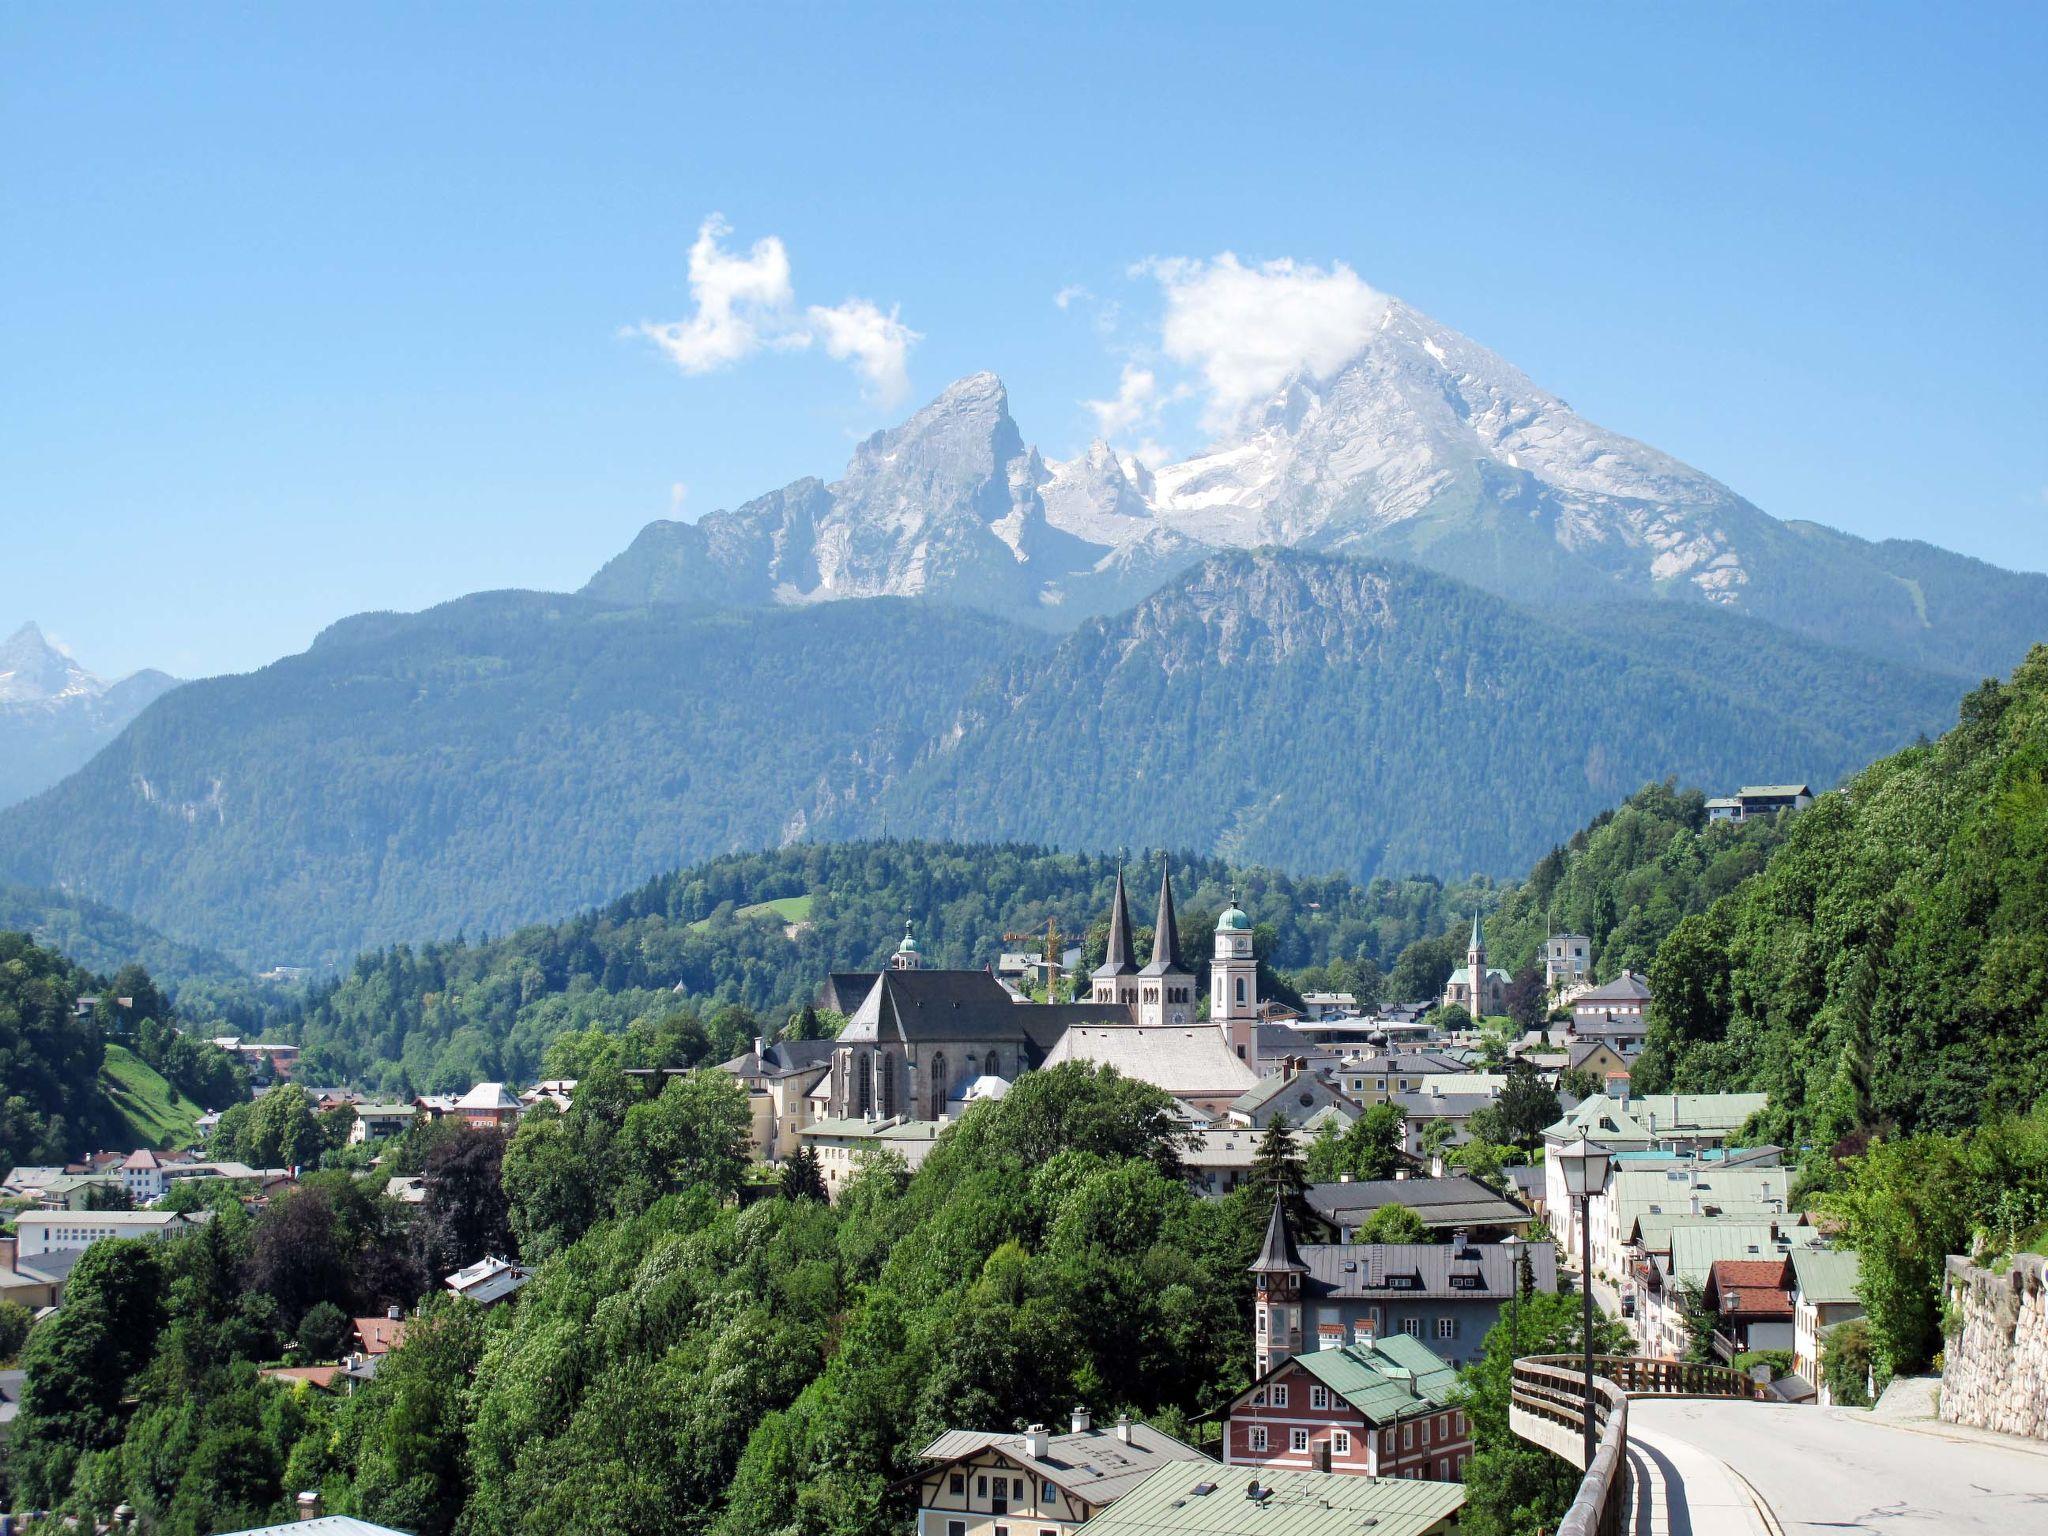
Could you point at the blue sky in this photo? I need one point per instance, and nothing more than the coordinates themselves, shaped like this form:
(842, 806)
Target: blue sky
(310, 310)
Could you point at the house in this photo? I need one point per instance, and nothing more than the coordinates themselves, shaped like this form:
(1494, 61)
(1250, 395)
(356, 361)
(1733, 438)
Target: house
(1292, 1091)
(1372, 1407)
(1446, 1294)
(1329, 1005)
(142, 1176)
(1190, 1500)
(979, 1482)
(41, 1232)
(488, 1106)
(36, 1282)
(1455, 1204)
(1823, 1297)
(558, 1091)
(489, 1280)
(376, 1336)
(1418, 1110)
(320, 1378)
(1221, 1158)
(1567, 961)
(374, 1122)
(1377, 1078)
(1623, 1001)
(1752, 1298)
(1759, 800)
(1603, 1057)
(777, 1078)
(843, 1144)
(1669, 1267)
(1700, 1187)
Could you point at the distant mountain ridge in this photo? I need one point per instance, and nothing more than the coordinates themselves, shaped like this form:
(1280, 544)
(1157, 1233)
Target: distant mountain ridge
(512, 757)
(54, 714)
(1424, 446)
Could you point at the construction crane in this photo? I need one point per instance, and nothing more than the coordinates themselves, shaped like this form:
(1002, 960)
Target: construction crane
(1050, 961)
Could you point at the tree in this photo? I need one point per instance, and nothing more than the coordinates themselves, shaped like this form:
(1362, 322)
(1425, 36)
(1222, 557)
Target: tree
(1276, 1166)
(1526, 1107)
(802, 1179)
(1527, 998)
(1578, 1083)
(323, 1332)
(14, 1325)
(1392, 1224)
(299, 1256)
(466, 1216)
(409, 1428)
(1369, 1148)
(693, 1134)
(281, 1131)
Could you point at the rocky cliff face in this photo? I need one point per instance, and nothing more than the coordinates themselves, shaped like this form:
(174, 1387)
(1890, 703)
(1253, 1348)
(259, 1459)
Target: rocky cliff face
(54, 714)
(1424, 445)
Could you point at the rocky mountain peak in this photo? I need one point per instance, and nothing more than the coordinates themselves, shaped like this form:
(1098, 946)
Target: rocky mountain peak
(33, 670)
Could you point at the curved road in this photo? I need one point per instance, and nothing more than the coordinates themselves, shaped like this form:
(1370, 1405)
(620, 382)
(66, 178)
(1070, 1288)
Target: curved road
(1832, 1470)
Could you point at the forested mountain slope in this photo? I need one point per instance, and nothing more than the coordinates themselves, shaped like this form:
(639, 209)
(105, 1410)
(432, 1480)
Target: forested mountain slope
(1889, 964)
(1321, 712)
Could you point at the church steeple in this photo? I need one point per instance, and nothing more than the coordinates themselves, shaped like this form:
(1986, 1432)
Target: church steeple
(1166, 990)
(1276, 1280)
(1119, 959)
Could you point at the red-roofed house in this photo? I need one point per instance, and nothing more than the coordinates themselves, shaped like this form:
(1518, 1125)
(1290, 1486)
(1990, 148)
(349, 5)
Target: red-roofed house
(1753, 1299)
(142, 1175)
(379, 1335)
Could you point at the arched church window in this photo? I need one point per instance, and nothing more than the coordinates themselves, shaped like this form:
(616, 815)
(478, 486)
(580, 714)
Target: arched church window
(866, 1088)
(887, 1103)
(940, 1084)
(1240, 989)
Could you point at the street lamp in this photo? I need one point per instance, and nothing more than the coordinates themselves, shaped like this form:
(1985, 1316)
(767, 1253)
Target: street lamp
(1513, 1245)
(1585, 1164)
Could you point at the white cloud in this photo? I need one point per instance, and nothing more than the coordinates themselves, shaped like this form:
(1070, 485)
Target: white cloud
(747, 302)
(1069, 294)
(877, 345)
(678, 493)
(1246, 330)
(1136, 402)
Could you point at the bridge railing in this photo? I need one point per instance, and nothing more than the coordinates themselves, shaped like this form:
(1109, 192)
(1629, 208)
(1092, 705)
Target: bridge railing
(1548, 1408)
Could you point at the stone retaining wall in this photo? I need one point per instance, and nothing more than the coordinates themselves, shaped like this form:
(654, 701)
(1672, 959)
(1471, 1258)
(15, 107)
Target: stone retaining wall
(1995, 1372)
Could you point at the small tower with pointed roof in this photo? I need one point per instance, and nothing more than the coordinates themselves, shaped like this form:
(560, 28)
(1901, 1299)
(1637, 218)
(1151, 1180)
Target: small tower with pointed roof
(1166, 988)
(1116, 979)
(1234, 984)
(1276, 1281)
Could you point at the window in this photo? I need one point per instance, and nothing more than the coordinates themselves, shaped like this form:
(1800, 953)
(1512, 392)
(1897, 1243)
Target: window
(956, 1528)
(1240, 989)
(1049, 1494)
(1447, 1327)
(1278, 1396)
(1319, 1398)
(1407, 1436)
(957, 1483)
(1259, 1439)
(981, 1487)
(1002, 1530)
(1259, 1397)
(1443, 1470)
(1340, 1442)
(1412, 1326)
(1017, 1489)
(1425, 1430)
(1297, 1440)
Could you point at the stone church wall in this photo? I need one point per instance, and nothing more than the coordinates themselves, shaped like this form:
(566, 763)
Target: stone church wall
(1995, 1371)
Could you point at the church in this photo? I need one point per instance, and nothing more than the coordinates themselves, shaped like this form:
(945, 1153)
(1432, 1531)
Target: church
(1489, 994)
(922, 1043)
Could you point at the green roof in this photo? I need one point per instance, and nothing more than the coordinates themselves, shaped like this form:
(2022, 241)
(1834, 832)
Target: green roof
(1374, 1378)
(1300, 1504)
(1695, 1249)
(1826, 1275)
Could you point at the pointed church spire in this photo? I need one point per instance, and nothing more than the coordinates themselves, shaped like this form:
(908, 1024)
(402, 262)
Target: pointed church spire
(1119, 959)
(1165, 931)
(1278, 1256)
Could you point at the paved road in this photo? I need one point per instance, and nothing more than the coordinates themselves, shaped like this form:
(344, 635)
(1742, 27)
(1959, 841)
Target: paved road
(1837, 1469)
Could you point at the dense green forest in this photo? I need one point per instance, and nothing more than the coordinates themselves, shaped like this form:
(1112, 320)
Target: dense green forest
(98, 937)
(513, 757)
(57, 1096)
(1888, 967)
(441, 1016)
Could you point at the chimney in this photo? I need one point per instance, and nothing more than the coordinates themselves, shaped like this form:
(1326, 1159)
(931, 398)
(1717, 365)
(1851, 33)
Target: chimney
(309, 1504)
(1036, 1442)
(1123, 1428)
(1343, 1178)
(760, 1048)
(1078, 1422)
(9, 1250)
(1362, 1331)
(394, 1313)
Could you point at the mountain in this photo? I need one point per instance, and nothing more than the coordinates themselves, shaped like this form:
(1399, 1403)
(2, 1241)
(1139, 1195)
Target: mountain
(1323, 712)
(1424, 446)
(498, 759)
(513, 757)
(54, 714)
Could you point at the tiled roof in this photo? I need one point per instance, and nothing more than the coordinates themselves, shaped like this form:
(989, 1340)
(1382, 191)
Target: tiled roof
(1179, 1059)
(1358, 1270)
(1211, 1500)
(1826, 1276)
(1392, 1378)
(1094, 1464)
(1628, 987)
(1448, 1202)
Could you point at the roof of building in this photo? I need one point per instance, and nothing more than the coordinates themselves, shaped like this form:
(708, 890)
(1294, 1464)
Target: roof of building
(1302, 1090)
(1644, 1117)
(140, 1220)
(1181, 1059)
(1628, 987)
(1276, 1253)
(489, 1279)
(1698, 1246)
(1457, 1201)
(1462, 976)
(971, 1006)
(1392, 1377)
(321, 1525)
(782, 1058)
(1774, 791)
(321, 1376)
(1441, 1106)
(1165, 931)
(1583, 1051)
(380, 1335)
(1421, 1063)
(142, 1158)
(860, 1128)
(1751, 1288)
(1096, 1463)
(487, 1096)
(1211, 1500)
(1426, 1271)
(1282, 1040)
(1826, 1276)
(1119, 958)
(385, 1111)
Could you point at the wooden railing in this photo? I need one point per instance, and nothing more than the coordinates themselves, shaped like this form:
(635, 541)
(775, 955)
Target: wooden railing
(1548, 1408)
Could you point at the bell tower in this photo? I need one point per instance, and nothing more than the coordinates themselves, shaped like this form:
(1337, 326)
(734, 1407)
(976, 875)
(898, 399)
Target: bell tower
(1234, 985)
(1276, 1279)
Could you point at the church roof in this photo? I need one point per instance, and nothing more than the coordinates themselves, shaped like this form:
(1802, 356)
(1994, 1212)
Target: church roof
(1165, 931)
(1119, 958)
(1462, 976)
(1181, 1059)
(1478, 941)
(1277, 1255)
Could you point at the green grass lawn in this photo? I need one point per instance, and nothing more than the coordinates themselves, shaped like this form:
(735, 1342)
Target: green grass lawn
(157, 1114)
(788, 909)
